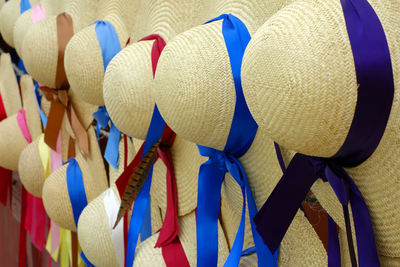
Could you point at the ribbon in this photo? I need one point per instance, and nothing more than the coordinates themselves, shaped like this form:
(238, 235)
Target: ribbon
(5, 175)
(111, 205)
(38, 13)
(110, 46)
(59, 97)
(45, 155)
(375, 95)
(212, 172)
(21, 119)
(24, 6)
(168, 239)
(112, 148)
(38, 100)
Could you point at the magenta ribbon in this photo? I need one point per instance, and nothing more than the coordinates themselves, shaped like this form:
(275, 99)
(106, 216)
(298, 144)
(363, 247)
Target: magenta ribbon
(375, 96)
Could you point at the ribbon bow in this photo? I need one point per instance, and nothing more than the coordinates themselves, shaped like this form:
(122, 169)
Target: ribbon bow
(103, 119)
(60, 105)
(374, 102)
(212, 172)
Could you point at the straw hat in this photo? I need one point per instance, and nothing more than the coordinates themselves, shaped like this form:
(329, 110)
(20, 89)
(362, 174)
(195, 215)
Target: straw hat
(84, 64)
(297, 89)
(25, 21)
(55, 192)
(9, 89)
(39, 47)
(147, 255)
(100, 246)
(9, 14)
(195, 94)
(11, 138)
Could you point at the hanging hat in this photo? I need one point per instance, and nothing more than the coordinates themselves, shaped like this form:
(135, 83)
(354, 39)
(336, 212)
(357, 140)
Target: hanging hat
(45, 8)
(86, 56)
(9, 89)
(56, 197)
(195, 93)
(304, 82)
(17, 129)
(9, 14)
(148, 255)
(39, 47)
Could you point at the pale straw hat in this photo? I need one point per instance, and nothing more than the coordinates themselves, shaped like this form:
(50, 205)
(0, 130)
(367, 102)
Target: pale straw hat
(39, 47)
(9, 89)
(9, 14)
(55, 192)
(100, 243)
(26, 20)
(12, 139)
(195, 93)
(300, 83)
(147, 255)
(84, 64)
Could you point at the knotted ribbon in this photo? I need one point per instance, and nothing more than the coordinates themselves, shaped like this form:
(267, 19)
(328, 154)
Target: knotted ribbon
(110, 46)
(375, 96)
(5, 174)
(168, 239)
(59, 96)
(212, 172)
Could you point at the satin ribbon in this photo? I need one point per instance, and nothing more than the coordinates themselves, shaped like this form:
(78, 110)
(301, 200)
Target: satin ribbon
(38, 99)
(38, 13)
(375, 96)
(168, 239)
(112, 149)
(21, 119)
(212, 172)
(110, 46)
(111, 206)
(5, 174)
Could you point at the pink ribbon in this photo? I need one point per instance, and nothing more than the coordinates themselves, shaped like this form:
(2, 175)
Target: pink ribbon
(38, 13)
(21, 118)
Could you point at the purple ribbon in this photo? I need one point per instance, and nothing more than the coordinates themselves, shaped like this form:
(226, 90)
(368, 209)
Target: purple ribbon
(375, 96)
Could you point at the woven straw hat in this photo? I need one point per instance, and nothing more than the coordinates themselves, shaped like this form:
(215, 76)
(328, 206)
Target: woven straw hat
(195, 93)
(147, 255)
(94, 228)
(84, 64)
(39, 47)
(304, 88)
(9, 14)
(11, 138)
(9, 89)
(55, 192)
(25, 21)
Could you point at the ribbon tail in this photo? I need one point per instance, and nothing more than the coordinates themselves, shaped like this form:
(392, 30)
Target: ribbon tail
(333, 244)
(169, 230)
(79, 131)
(208, 204)
(54, 122)
(274, 218)
(112, 148)
(366, 246)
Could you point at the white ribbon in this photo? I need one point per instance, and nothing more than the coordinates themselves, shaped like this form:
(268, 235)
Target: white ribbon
(111, 205)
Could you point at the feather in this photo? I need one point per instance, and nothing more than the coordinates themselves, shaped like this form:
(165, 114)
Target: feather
(137, 180)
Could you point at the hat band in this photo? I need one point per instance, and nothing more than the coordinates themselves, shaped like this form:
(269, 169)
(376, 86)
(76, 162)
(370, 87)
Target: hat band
(212, 172)
(375, 96)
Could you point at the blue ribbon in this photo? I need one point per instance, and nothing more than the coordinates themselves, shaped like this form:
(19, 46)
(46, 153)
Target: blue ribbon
(140, 218)
(110, 46)
(38, 99)
(112, 148)
(212, 172)
(77, 194)
(24, 6)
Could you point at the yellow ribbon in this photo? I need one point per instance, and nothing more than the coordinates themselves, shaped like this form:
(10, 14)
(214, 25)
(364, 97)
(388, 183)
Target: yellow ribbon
(44, 153)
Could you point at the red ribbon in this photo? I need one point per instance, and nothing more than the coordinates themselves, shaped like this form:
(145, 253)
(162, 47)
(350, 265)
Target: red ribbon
(168, 239)
(5, 174)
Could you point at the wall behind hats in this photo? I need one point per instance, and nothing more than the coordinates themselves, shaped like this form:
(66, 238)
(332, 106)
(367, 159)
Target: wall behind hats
(9, 234)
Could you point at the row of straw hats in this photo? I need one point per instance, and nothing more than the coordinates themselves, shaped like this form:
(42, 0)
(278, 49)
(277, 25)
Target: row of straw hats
(298, 79)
